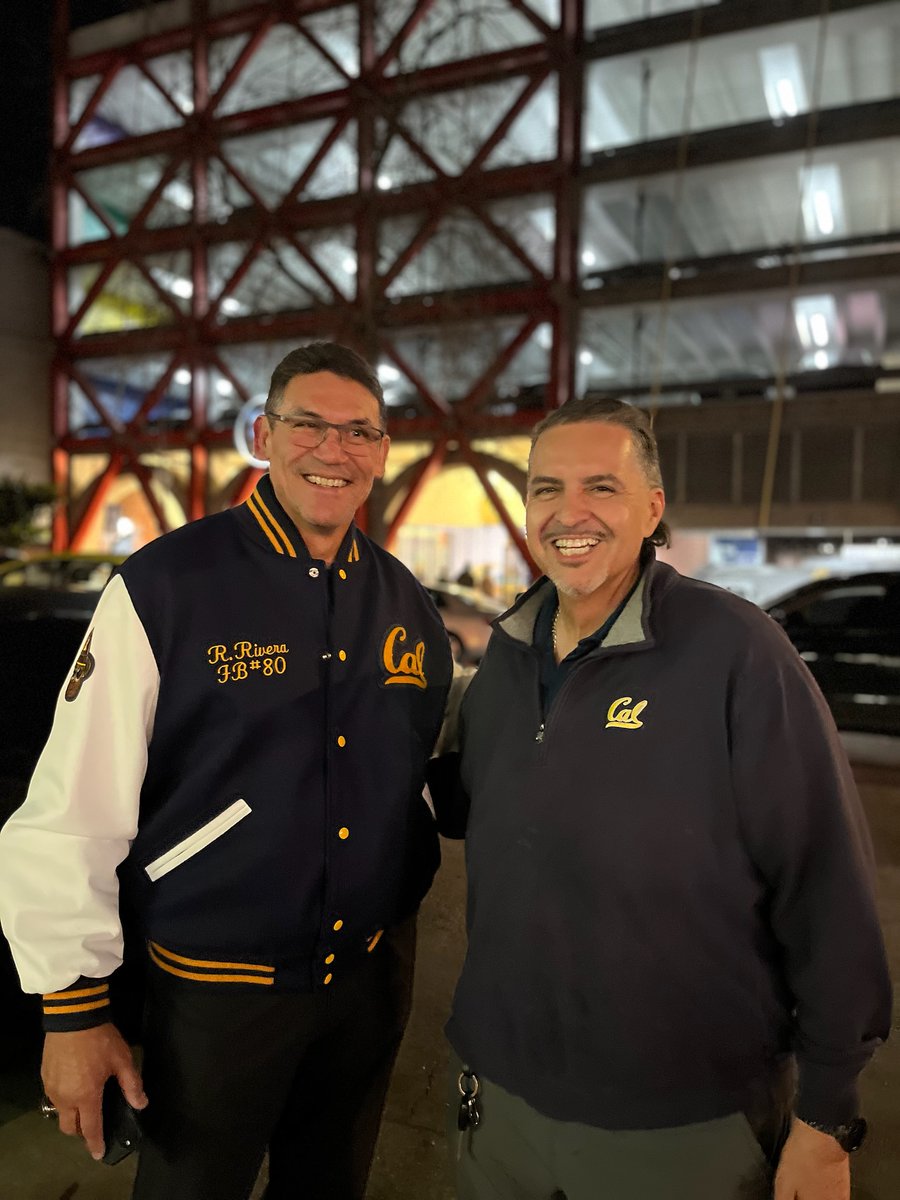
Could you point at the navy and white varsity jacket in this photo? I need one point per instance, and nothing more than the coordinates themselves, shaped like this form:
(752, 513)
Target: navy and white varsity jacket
(241, 747)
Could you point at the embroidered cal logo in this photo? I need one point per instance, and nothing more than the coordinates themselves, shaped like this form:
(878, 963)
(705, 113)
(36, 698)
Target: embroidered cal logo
(83, 669)
(411, 667)
(620, 717)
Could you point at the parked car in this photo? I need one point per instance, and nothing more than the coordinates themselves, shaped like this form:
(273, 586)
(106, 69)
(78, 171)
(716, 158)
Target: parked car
(45, 606)
(847, 631)
(467, 614)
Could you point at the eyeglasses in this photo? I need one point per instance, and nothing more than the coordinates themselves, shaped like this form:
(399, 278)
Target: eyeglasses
(310, 432)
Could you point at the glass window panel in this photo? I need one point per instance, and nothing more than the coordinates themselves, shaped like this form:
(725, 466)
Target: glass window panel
(532, 137)
(174, 73)
(80, 92)
(120, 191)
(600, 14)
(849, 191)
(452, 30)
(461, 253)
(452, 358)
(390, 16)
(224, 193)
(738, 337)
(285, 66)
(121, 384)
(337, 31)
(273, 161)
(450, 128)
(280, 278)
(130, 106)
(758, 74)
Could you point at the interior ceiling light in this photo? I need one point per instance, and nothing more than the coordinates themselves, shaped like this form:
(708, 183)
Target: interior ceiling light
(224, 387)
(818, 327)
(349, 265)
(230, 305)
(783, 83)
(543, 335)
(588, 258)
(822, 200)
(182, 287)
(820, 358)
(182, 375)
(585, 358)
(178, 193)
(387, 373)
(384, 182)
(816, 320)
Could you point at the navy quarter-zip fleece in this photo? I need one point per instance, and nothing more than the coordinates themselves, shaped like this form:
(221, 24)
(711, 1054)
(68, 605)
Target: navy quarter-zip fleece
(670, 878)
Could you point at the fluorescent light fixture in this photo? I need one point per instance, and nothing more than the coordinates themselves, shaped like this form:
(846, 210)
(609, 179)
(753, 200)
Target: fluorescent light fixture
(543, 335)
(783, 83)
(182, 375)
(822, 200)
(816, 319)
(820, 359)
(802, 322)
(178, 193)
(818, 327)
(824, 215)
(787, 98)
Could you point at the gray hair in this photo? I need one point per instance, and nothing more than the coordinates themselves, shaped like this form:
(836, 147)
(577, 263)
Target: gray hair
(614, 412)
(325, 356)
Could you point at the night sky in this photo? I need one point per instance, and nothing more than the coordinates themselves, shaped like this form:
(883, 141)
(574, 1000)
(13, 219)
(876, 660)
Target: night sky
(25, 105)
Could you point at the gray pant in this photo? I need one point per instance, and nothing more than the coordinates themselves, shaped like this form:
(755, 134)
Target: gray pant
(517, 1153)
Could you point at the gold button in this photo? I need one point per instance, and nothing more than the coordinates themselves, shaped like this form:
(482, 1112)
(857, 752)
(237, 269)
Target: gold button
(330, 958)
(342, 741)
(343, 833)
(342, 655)
(342, 573)
(338, 925)
(327, 978)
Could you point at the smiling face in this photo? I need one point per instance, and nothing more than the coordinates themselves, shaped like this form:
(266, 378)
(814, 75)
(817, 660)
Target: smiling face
(320, 489)
(589, 507)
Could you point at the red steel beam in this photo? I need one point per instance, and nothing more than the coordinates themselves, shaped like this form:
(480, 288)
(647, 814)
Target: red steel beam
(500, 508)
(485, 385)
(95, 497)
(429, 467)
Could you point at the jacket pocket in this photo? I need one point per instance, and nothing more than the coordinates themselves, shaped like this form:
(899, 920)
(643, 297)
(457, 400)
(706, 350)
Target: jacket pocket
(197, 841)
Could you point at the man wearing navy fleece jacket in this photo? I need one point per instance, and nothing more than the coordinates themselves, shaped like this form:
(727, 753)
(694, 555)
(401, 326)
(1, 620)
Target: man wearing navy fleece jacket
(674, 972)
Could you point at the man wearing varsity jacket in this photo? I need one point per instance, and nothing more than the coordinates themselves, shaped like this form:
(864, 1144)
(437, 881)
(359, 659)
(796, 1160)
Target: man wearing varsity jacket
(239, 757)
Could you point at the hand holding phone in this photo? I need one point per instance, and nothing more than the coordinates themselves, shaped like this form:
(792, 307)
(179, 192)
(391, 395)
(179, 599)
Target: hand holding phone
(121, 1126)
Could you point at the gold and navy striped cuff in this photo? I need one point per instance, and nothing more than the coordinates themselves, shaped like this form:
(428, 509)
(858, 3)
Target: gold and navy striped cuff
(204, 970)
(82, 1005)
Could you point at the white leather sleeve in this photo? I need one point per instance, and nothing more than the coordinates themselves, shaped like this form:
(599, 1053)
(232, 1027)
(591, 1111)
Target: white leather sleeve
(58, 853)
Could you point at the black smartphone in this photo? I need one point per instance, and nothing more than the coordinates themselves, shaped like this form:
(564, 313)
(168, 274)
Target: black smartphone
(121, 1126)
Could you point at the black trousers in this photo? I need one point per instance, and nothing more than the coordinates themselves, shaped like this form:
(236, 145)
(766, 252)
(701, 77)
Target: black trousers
(231, 1075)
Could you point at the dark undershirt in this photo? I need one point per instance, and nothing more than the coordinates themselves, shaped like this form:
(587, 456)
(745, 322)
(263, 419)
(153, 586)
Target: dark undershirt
(553, 674)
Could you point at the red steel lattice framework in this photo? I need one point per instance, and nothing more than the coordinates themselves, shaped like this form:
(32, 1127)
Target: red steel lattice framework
(369, 319)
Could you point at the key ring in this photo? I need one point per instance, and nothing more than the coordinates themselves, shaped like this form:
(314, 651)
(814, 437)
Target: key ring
(471, 1094)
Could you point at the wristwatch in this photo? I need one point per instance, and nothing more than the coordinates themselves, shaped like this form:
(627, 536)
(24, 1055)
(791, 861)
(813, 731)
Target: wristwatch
(849, 1137)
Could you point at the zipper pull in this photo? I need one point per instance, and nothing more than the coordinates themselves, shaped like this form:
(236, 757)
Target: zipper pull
(539, 736)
